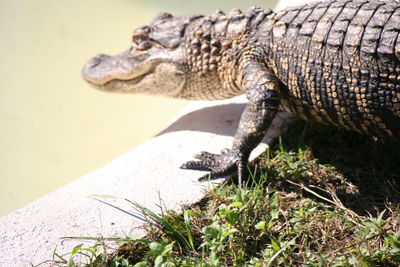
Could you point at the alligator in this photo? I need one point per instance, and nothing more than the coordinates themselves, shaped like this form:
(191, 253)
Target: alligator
(330, 62)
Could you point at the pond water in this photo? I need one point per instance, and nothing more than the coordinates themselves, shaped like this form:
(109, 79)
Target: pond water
(56, 128)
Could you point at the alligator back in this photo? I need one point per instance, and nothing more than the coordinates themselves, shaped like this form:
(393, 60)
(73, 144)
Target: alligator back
(339, 62)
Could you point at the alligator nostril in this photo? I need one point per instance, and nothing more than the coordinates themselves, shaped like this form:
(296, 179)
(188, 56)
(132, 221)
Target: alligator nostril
(93, 62)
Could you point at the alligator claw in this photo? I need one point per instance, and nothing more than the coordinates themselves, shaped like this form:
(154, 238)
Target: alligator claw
(195, 165)
(214, 175)
(226, 164)
(205, 155)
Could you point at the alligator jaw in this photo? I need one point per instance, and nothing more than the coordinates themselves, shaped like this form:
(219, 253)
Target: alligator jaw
(124, 73)
(102, 69)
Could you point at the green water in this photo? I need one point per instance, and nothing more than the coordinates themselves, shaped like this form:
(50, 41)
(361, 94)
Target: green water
(55, 128)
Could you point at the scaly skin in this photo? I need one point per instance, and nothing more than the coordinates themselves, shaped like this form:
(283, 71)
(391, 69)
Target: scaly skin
(333, 62)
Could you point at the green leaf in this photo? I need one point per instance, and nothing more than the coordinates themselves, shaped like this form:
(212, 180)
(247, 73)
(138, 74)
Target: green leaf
(301, 212)
(157, 248)
(274, 214)
(91, 250)
(76, 249)
(71, 262)
(142, 263)
(380, 217)
(213, 231)
(230, 232)
(236, 204)
(188, 229)
(193, 213)
(260, 225)
(275, 245)
(159, 261)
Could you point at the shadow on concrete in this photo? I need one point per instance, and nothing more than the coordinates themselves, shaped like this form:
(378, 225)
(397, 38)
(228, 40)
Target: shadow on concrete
(220, 119)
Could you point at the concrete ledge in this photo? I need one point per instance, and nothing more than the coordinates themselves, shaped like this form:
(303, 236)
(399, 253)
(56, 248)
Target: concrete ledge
(144, 174)
(31, 234)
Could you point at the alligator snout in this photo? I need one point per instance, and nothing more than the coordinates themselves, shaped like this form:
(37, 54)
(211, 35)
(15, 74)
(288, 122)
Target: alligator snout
(95, 61)
(98, 69)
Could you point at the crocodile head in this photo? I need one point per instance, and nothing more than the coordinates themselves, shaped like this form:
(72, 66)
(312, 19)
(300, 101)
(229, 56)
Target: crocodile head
(153, 65)
(190, 57)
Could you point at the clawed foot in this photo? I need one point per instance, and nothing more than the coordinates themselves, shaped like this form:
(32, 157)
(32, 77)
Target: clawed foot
(226, 164)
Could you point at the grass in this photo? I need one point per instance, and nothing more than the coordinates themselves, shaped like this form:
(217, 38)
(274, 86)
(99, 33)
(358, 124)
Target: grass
(322, 197)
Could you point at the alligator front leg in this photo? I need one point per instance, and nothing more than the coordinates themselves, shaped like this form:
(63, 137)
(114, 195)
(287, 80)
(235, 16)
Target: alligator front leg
(263, 93)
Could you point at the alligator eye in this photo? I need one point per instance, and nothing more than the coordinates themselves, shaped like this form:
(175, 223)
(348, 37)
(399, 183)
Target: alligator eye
(140, 35)
(137, 39)
(143, 46)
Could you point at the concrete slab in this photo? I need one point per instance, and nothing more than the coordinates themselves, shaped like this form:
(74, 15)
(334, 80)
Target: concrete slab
(145, 174)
